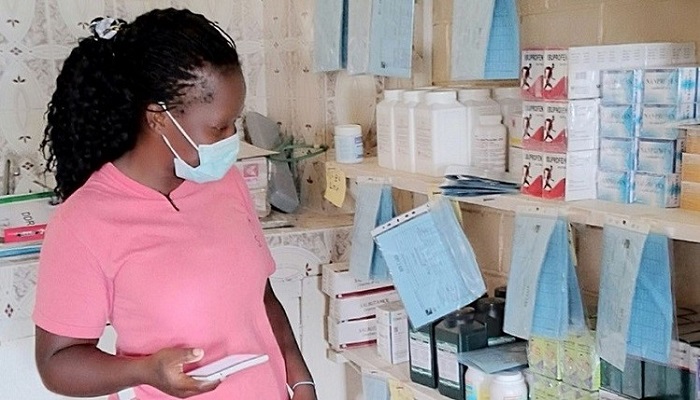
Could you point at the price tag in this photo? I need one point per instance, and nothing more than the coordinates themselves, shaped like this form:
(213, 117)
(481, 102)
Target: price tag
(335, 186)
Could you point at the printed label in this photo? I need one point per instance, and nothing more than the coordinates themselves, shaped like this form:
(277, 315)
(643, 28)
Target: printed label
(421, 353)
(448, 366)
(533, 125)
(555, 80)
(532, 74)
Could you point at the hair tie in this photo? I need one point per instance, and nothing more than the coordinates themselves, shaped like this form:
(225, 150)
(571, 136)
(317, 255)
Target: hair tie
(105, 27)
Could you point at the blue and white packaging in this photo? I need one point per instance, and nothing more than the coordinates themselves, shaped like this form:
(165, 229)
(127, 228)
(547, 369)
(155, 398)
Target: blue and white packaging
(621, 86)
(615, 186)
(619, 121)
(618, 154)
(658, 190)
(659, 156)
(657, 120)
(670, 86)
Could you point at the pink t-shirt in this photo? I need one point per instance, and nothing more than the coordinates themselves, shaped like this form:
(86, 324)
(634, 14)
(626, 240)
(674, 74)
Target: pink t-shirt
(117, 251)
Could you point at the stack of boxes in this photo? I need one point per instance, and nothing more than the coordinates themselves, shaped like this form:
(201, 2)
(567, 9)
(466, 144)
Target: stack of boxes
(690, 174)
(559, 141)
(640, 152)
(352, 319)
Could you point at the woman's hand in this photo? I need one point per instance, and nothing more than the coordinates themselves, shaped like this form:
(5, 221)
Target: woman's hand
(165, 372)
(304, 392)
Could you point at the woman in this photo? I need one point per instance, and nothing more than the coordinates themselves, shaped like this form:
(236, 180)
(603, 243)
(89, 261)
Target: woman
(156, 234)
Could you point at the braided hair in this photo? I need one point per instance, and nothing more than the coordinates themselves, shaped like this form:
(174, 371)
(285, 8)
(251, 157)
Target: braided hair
(98, 108)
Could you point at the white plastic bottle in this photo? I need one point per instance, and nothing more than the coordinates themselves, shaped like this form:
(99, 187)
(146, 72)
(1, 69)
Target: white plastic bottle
(441, 135)
(476, 384)
(508, 98)
(490, 146)
(405, 118)
(478, 102)
(508, 386)
(386, 129)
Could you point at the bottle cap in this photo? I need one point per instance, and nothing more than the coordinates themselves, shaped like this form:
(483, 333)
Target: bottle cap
(473, 94)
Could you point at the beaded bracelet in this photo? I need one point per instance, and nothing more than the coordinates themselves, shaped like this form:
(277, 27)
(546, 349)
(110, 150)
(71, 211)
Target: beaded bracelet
(310, 383)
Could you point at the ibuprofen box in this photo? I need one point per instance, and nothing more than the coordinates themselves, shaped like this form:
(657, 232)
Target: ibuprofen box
(533, 125)
(555, 80)
(569, 176)
(360, 305)
(554, 130)
(531, 182)
(532, 73)
(337, 281)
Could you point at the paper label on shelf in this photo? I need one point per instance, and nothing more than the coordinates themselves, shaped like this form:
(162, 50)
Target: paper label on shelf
(448, 366)
(335, 186)
(398, 391)
(421, 353)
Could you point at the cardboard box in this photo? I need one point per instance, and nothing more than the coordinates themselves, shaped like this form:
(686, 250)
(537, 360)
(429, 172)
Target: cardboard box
(392, 333)
(690, 196)
(691, 168)
(343, 334)
(360, 305)
(337, 281)
(255, 172)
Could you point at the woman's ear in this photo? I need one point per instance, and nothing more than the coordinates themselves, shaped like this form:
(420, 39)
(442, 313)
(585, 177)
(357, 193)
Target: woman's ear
(155, 117)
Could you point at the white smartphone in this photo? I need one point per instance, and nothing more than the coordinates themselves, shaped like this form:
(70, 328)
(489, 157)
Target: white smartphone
(226, 366)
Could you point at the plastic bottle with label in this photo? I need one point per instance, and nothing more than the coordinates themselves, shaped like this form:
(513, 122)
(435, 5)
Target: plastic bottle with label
(386, 128)
(421, 355)
(405, 118)
(509, 100)
(457, 333)
(478, 103)
(508, 386)
(441, 135)
(489, 144)
(476, 384)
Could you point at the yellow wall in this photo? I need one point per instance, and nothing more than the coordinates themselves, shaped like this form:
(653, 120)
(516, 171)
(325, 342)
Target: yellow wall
(564, 23)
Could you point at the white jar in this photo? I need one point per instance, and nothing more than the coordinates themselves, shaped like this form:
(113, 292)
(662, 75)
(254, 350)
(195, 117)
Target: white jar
(476, 384)
(478, 102)
(441, 135)
(348, 144)
(386, 129)
(490, 145)
(405, 118)
(508, 386)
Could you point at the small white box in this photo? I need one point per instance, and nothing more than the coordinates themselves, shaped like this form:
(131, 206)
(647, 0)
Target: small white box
(656, 190)
(615, 186)
(621, 86)
(618, 154)
(619, 121)
(659, 156)
(343, 334)
(583, 125)
(670, 85)
(584, 84)
(392, 333)
(360, 306)
(337, 281)
(254, 171)
(570, 176)
(532, 73)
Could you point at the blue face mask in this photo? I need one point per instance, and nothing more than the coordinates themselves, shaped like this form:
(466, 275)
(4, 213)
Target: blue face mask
(215, 159)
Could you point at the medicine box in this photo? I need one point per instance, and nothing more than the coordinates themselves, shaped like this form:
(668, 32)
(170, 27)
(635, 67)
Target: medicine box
(554, 129)
(658, 190)
(570, 175)
(533, 125)
(618, 154)
(532, 73)
(546, 388)
(555, 82)
(690, 196)
(584, 84)
(615, 186)
(620, 121)
(392, 332)
(659, 156)
(337, 281)
(360, 305)
(691, 168)
(343, 334)
(580, 363)
(670, 86)
(544, 356)
(627, 56)
(656, 120)
(583, 125)
(621, 86)
(531, 175)
(254, 171)
(574, 393)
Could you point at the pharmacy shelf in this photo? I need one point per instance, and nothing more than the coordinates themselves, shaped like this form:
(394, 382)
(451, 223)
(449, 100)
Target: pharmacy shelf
(368, 361)
(675, 223)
